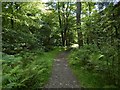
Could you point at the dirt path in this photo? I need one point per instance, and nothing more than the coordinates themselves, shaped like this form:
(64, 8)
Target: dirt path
(62, 77)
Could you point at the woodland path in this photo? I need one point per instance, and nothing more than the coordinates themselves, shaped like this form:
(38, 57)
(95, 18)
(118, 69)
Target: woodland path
(62, 76)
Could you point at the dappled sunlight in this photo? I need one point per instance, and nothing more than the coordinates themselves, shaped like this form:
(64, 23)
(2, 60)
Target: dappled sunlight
(60, 44)
(75, 46)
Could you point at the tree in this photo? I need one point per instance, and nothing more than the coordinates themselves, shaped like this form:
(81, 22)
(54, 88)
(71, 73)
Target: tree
(78, 18)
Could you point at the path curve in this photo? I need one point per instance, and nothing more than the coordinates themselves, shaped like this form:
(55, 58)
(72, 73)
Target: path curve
(62, 76)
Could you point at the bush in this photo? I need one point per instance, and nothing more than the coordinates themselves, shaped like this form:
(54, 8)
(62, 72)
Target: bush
(27, 70)
(100, 61)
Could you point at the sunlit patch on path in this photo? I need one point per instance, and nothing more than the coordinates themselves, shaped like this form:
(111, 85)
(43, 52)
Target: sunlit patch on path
(75, 46)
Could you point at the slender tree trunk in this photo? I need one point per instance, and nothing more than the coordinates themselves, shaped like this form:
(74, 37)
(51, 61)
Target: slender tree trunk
(88, 37)
(78, 17)
(117, 34)
(60, 24)
(64, 23)
(12, 22)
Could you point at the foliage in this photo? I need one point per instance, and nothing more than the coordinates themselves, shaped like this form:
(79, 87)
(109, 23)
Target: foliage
(31, 29)
(95, 63)
(25, 29)
(100, 52)
(33, 74)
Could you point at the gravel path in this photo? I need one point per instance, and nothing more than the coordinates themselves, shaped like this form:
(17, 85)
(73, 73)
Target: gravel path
(62, 77)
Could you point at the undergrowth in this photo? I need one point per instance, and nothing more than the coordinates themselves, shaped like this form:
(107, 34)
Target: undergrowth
(29, 70)
(94, 67)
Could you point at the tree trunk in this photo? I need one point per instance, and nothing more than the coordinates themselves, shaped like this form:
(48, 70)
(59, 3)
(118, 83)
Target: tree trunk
(78, 17)
(60, 24)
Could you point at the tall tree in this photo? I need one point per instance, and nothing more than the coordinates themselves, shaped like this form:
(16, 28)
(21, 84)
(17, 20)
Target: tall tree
(60, 24)
(78, 18)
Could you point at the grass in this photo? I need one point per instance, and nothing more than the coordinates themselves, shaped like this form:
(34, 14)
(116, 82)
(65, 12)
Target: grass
(87, 79)
(48, 58)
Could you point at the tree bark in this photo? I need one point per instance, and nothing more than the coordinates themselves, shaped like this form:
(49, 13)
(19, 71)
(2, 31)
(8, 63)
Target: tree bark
(78, 17)
(60, 24)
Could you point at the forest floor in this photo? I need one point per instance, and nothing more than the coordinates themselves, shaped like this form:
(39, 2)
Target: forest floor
(62, 76)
